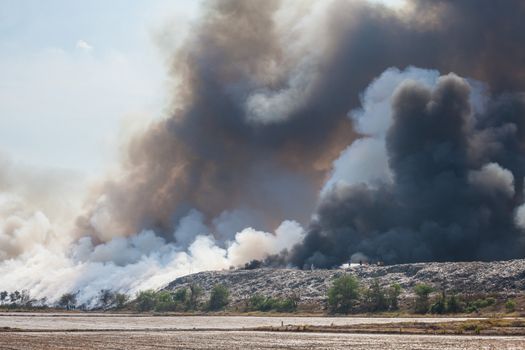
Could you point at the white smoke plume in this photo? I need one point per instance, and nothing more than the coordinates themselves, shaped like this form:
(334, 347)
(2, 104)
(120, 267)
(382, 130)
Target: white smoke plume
(126, 264)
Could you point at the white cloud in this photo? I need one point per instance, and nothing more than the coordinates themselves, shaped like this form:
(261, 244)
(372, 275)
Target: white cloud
(83, 45)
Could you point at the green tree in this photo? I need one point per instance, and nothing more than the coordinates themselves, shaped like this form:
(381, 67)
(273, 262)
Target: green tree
(343, 294)
(181, 297)
(422, 297)
(120, 300)
(146, 300)
(257, 302)
(288, 304)
(375, 298)
(195, 294)
(219, 297)
(67, 301)
(164, 301)
(392, 296)
(454, 305)
(440, 305)
(3, 296)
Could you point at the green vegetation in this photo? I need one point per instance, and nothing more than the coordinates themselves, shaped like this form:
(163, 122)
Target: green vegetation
(451, 304)
(454, 305)
(375, 298)
(343, 294)
(477, 304)
(510, 305)
(392, 296)
(422, 298)
(195, 294)
(261, 303)
(440, 305)
(219, 298)
(183, 299)
(164, 301)
(146, 300)
(121, 300)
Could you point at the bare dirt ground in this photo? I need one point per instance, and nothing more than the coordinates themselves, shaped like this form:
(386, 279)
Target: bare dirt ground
(248, 340)
(71, 321)
(20, 331)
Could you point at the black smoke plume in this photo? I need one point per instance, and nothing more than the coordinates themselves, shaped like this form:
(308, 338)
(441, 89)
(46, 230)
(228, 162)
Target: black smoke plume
(451, 197)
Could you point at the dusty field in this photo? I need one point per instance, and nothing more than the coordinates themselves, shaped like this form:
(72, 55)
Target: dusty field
(107, 331)
(249, 340)
(139, 322)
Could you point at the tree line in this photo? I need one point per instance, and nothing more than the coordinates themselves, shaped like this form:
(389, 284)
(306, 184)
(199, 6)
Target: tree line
(347, 295)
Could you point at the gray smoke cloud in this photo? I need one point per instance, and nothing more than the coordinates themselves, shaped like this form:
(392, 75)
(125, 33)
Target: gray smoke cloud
(245, 136)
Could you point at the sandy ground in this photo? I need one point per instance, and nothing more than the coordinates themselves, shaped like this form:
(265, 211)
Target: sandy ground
(248, 340)
(141, 322)
(107, 331)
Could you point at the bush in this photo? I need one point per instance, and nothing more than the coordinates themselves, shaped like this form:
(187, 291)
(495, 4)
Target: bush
(67, 301)
(120, 300)
(440, 305)
(260, 303)
(343, 294)
(510, 305)
(286, 305)
(392, 296)
(146, 300)
(475, 305)
(257, 302)
(219, 298)
(422, 298)
(181, 296)
(164, 301)
(182, 299)
(375, 299)
(195, 293)
(454, 305)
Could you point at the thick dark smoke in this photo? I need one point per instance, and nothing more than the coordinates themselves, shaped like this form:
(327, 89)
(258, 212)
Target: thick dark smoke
(261, 115)
(214, 153)
(451, 197)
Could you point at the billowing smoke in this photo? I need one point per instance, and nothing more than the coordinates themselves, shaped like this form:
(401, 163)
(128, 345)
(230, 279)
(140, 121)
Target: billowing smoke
(439, 176)
(260, 98)
(258, 142)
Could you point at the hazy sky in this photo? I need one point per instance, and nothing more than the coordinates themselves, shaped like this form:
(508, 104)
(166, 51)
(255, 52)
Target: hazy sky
(73, 72)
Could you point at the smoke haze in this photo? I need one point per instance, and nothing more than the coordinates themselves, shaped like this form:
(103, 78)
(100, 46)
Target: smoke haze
(301, 131)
